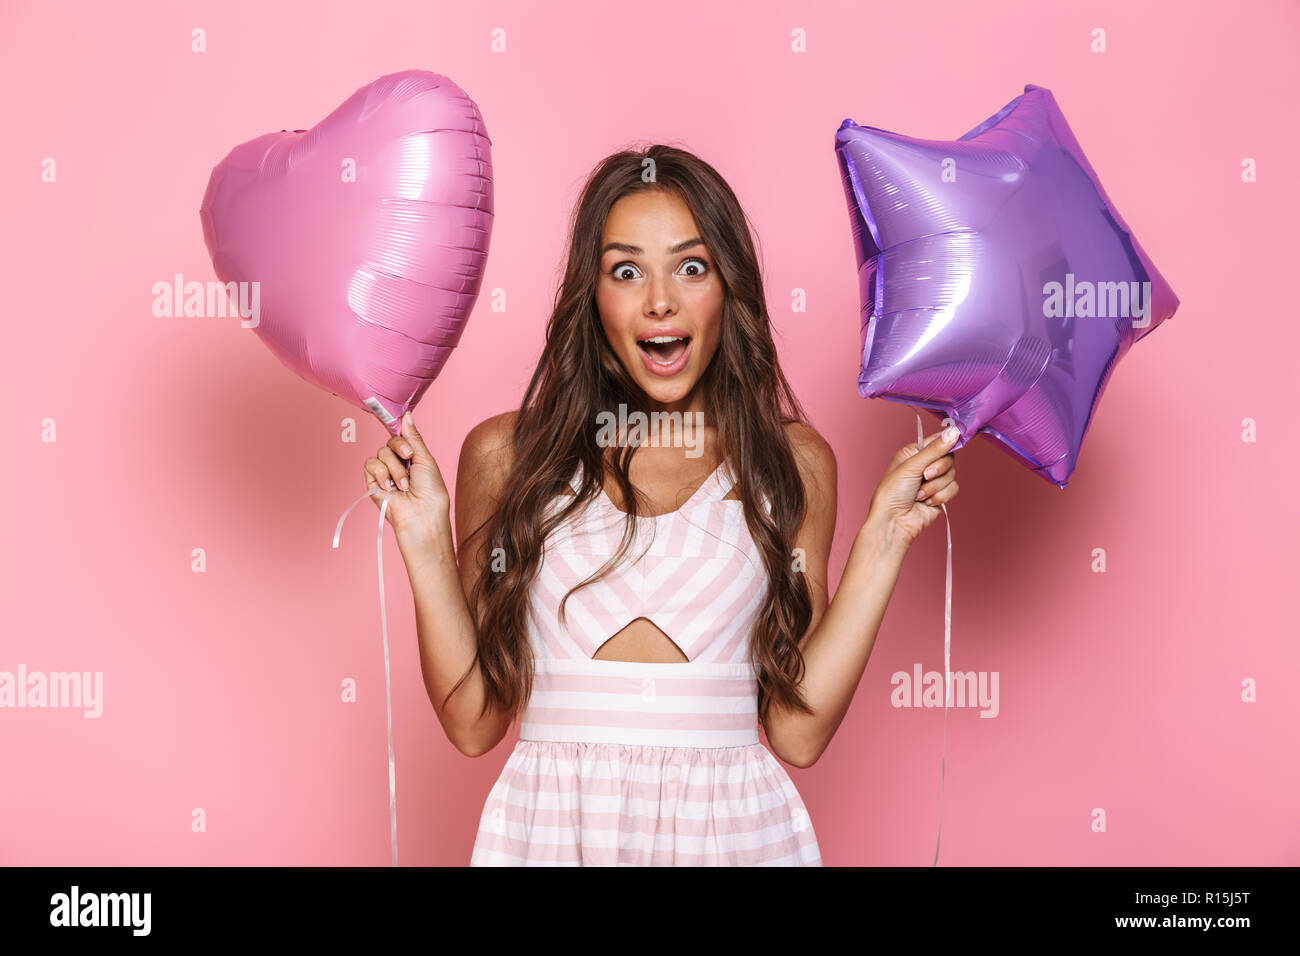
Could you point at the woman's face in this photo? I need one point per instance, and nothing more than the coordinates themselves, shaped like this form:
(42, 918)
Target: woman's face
(659, 296)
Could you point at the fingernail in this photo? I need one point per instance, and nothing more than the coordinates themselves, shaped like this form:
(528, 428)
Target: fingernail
(929, 472)
(406, 451)
(950, 433)
(389, 486)
(920, 495)
(403, 483)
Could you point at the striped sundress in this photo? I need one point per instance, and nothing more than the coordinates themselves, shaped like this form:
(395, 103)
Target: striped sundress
(623, 763)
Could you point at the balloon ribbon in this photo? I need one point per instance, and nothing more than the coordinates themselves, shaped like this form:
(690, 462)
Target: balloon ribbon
(947, 651)
(388, 687)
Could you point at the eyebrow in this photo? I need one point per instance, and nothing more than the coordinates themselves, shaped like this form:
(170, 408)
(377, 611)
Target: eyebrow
(638, 251)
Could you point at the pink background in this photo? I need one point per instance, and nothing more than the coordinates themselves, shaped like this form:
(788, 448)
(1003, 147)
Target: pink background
(1119, 691)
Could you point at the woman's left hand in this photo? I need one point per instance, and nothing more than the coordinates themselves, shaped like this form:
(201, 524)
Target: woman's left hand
(918, 481)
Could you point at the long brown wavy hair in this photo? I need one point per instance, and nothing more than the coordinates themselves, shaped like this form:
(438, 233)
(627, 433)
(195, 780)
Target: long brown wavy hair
(579, 376)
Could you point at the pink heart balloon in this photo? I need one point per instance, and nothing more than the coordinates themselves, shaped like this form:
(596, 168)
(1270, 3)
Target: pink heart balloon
(366, 236)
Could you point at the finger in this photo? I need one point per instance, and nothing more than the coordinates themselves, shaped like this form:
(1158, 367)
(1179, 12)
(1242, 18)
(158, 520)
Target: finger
(396, 467)
(937, 468)
(420, 451)
(928, 488)
(400, 447)
(931, 453)
(944, 494)
(911, 448)
(377, 477)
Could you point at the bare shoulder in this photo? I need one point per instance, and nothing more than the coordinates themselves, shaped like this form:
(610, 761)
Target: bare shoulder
(491, 438)
(815, 457)
(486, 457)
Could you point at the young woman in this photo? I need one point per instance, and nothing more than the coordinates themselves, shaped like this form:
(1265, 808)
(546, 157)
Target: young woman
(643, 601)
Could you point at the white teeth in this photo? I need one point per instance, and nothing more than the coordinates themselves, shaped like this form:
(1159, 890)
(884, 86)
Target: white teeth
(662, 340)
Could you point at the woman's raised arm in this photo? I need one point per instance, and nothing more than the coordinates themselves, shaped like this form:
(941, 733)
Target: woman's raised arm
(420, 515)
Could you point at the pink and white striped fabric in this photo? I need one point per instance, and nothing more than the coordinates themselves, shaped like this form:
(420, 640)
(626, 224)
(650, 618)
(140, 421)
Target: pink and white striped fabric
(623, 763)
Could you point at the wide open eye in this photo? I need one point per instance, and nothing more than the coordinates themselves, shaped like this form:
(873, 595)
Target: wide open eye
(618, 272)
(697, 264)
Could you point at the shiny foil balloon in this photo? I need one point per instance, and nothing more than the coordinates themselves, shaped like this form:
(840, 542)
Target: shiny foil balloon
(999, 284)
(366, 237)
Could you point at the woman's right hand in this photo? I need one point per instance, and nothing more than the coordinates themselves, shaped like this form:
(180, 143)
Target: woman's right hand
(420, 504)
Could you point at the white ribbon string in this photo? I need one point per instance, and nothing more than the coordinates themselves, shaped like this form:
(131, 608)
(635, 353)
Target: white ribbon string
(947, 652)
(388, 687)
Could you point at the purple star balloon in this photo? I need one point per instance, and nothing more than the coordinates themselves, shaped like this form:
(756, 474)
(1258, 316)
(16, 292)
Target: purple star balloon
(999, 284)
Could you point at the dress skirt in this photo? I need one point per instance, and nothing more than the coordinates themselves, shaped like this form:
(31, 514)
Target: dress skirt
(623, 763)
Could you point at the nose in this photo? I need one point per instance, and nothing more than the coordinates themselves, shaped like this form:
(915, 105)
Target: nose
(659, 301)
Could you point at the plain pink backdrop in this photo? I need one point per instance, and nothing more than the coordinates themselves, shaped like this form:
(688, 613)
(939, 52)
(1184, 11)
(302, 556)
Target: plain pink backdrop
(1120, 691)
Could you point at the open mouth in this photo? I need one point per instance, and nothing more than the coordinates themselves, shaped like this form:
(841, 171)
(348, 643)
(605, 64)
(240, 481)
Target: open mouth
(664, 349)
